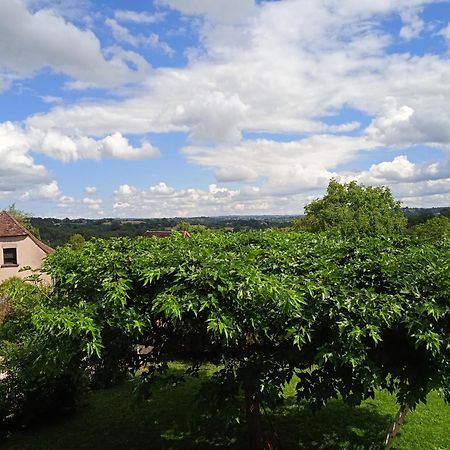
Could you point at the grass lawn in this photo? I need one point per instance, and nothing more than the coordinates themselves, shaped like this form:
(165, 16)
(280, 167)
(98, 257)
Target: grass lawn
(113, 419)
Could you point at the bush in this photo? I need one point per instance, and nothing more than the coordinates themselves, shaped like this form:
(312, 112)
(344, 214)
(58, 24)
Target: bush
(433, 230)
(39, 374)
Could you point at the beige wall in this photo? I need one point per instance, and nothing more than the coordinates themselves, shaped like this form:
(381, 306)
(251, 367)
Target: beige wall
(28, 254)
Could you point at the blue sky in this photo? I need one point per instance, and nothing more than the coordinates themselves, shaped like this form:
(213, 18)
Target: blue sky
(212, 107)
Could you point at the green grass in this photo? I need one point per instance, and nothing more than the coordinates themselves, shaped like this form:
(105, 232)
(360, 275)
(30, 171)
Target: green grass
(113, 419)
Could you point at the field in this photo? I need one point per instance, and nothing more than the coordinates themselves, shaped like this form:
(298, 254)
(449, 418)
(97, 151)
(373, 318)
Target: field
(113, 419)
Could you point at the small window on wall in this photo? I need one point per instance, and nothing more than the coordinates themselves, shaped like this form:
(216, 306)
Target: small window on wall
(9, 256)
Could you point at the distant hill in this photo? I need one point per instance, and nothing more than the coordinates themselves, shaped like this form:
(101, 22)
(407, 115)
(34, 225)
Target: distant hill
(58, 231)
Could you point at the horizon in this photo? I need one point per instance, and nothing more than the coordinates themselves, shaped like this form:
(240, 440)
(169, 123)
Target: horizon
(229, 216)
(199, 108)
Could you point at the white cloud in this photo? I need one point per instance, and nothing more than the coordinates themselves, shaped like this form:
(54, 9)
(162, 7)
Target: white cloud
(286, 167)
(92, 203)
(30, 41)
(165, 201)
(69, 9)
(401, 170)
(51, 99)
(122, 34)
(393, 125)
(273, 67)
(21, 177)
(445, 32)
(48, 191)
(138, 17)
(399, 126)
(65, 201)
(72, 148)
(17, 169)
(292, 64)
(228, 11)
(90, 189)
(413, 25)
(117, 146)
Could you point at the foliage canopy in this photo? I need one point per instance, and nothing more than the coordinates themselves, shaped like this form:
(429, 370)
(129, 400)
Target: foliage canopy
(434, 229)
(344, 316)
(355, 210)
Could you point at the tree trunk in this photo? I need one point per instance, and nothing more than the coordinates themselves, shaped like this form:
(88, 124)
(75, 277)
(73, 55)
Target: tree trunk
(253, 415)
(395, 427)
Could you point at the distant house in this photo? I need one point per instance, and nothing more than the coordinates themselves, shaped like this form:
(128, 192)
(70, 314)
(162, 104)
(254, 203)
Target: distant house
(163, 234)
(18, 249)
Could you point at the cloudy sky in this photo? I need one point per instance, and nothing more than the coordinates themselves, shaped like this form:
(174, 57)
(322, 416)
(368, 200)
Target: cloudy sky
(140, 108)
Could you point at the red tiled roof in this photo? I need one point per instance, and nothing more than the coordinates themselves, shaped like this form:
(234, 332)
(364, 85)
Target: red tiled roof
(151, 233)
(9, 227)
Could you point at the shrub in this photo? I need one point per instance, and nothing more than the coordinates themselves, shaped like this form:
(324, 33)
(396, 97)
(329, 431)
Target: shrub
(39, 374)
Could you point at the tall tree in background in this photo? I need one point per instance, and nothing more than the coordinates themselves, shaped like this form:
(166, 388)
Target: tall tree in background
(352, 209)
(23, 218)
(434, 229)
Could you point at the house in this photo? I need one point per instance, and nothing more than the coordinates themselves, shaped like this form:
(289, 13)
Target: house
(18, 249)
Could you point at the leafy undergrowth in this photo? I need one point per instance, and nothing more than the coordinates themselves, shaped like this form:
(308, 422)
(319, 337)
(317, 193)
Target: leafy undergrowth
(113, 419)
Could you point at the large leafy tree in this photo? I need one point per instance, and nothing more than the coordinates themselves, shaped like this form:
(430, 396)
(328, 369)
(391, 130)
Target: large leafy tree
(352, 209)
(344, 316)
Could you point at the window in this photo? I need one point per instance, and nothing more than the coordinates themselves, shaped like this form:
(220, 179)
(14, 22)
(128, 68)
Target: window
(10, 256)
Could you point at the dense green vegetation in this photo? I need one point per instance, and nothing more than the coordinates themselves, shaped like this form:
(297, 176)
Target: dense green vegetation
(344, 316)
(57, 232)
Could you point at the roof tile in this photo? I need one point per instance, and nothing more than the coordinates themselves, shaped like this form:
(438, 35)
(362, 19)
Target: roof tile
(9, 227)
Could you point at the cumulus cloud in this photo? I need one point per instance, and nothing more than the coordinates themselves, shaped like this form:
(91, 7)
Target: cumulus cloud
(30, 41)
(16, 143)
(401, 170)
(117, 146)
(285, 167)
(93, 203)
(65, 201)
(17, 169)
(294, 62)
(401, 126)
(165, 201)
(276, 68)
(48, 191)
(90, 190)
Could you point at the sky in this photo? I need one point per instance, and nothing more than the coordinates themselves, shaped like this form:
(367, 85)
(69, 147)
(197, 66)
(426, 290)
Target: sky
(164, 108)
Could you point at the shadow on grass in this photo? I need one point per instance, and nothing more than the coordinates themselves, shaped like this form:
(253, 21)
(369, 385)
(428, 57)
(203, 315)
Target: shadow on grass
(337, 426)
(113, 419)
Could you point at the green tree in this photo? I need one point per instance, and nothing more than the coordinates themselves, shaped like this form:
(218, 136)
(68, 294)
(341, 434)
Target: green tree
(76, 241)
(23, 218)
(345, 317)
(190, 228)
(433, 229)
(352, 209)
